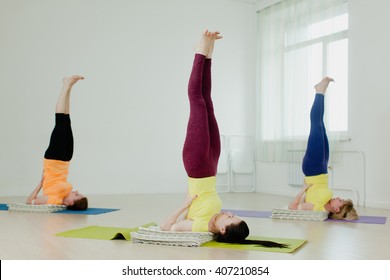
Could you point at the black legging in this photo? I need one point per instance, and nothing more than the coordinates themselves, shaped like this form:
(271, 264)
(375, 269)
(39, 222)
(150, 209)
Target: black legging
(61, 140)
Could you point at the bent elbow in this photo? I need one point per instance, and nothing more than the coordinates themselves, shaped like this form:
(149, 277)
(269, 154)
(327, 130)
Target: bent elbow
(292, 207)
(165, 227)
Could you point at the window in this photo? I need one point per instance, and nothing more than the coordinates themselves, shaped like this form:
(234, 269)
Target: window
(299, 42)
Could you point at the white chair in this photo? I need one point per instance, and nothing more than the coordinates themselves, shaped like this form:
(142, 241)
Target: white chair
(242, 163)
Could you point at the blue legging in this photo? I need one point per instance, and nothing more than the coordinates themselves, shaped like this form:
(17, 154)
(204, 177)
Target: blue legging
(315, 161)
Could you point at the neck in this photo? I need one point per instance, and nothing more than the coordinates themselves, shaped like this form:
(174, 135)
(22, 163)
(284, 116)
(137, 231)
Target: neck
(328, 207)
(211, 224)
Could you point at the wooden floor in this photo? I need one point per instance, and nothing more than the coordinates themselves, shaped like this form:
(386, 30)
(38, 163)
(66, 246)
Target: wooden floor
(32, 236)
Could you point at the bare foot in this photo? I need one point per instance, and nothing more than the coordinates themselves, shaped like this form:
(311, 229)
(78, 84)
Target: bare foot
(70, 81)
(204, 43)
(323, 85)
(215, 36)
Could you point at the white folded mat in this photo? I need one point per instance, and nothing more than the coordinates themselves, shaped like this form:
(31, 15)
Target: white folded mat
(154, 235)
(287, 214)
(45, 208)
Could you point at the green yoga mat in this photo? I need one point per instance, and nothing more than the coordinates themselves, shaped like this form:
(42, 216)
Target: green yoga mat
(113, 233)
(293, 245)
(102, 233)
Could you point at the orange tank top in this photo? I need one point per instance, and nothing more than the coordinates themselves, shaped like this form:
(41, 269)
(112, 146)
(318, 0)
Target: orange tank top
(55, 185)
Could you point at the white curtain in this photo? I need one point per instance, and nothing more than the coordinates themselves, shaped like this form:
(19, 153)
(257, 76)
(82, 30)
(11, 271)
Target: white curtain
(299, 42)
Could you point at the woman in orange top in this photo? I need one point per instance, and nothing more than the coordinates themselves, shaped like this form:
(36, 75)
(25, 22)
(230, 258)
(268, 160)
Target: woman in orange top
(56, 188)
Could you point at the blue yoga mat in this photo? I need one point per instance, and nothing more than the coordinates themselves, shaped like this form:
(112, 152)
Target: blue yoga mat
(89, 211)
(3, 207)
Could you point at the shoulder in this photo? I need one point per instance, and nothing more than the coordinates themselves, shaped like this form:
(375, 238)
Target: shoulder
(54, 199)
(306, 206)
(40, 200)
(183, 225)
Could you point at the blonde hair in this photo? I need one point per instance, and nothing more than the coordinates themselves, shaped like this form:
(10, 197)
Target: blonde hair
(347, 212)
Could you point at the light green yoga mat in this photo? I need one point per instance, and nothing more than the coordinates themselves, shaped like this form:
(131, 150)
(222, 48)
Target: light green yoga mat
(103, 233)
(113, 233)
(293, 245)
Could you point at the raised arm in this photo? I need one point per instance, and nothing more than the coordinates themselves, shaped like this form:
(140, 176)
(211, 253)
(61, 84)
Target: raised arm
(173, 223)
(298, 203)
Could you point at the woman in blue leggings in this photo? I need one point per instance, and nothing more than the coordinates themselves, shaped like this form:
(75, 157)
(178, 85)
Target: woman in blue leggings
(315, 167)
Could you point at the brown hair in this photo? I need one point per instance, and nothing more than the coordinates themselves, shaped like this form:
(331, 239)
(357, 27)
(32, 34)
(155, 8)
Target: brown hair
(80, 204)
(347, 212)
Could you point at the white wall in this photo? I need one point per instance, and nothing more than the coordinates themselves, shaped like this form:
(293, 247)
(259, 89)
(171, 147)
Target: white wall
(369, 114)
(370, 93)
(129, 116)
